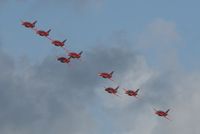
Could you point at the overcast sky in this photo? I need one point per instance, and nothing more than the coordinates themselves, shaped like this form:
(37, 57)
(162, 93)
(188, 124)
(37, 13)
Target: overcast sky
(151, 45)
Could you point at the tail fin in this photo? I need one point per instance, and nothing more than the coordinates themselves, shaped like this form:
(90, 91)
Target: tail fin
(80, 52)
(49, 31)
(34, 22)
(111, 73)
(117, 88)
(167, 111)
(64, 41)
(137, 90)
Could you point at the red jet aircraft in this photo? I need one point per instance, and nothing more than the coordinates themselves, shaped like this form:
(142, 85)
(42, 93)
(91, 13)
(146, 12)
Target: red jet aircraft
(43, 33)
(162, 113)
(112, 90)
(29, 24)
(75, 55)
(106, 75)
(131, 92)
(63, 59)
(59, 43)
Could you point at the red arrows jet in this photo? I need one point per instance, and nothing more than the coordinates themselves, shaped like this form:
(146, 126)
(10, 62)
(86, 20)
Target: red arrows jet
(112, 90)
(43, 33)
(29, 24)
(75, 55)
(106, 75)
(131, 92)
(162, 113)
(63, 59)
(59, 43)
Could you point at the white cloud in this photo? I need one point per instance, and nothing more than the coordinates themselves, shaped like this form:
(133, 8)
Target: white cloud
(159, 33)
(51, 98)
(160, 42)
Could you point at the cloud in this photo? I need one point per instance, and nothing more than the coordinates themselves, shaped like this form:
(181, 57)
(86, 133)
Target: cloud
(161, 42)
(54, 98)
(183, 103)
(37, 102)
(50, 97)
(159, 33)
(176, 90)
(169, 87)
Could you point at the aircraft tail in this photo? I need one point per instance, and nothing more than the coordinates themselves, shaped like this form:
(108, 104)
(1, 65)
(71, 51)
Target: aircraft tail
(64, 41)
(80, 52)
(111, 73)
(117, 88)
(34, 22)
(167, 111)
(49, 31)
(137, 90)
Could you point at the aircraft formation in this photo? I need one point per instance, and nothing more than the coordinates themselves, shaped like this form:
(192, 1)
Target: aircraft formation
(132, 93)
(74, 55)
(57, 43)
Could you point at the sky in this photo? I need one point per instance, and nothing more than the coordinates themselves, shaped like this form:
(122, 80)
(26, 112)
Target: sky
(151, 45)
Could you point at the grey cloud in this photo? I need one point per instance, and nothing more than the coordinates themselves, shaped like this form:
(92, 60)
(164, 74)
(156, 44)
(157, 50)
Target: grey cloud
(170, 87)
(175, 90)
(51, 97)
(184, 106)
(55, 98)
